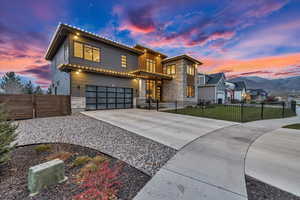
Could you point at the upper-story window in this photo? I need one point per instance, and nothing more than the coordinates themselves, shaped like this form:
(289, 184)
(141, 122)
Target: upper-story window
(123, 61)
(190, 70)
(170, 69)
(150, 65)
(86, 52)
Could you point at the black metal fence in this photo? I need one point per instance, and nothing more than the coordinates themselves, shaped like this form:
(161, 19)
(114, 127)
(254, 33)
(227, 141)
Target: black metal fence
(241, 112)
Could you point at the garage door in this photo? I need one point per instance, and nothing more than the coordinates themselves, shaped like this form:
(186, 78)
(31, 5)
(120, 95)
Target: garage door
(101, 97)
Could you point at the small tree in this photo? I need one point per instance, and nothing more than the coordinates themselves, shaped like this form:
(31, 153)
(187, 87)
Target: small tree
(49, 90)
(7, 137)
(11, 83)
(38, 90)
(28, 88)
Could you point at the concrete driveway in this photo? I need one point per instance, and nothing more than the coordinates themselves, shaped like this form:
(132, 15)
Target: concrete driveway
(169, 129)
(274, 158)
(209, 168)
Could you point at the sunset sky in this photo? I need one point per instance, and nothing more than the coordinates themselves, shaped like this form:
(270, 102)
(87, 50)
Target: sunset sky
(239, 37)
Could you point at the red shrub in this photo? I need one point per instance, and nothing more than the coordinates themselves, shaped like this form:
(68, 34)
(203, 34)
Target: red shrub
(101, 184)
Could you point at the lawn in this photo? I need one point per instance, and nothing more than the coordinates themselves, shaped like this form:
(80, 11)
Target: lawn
(234, 113)
(293, 126)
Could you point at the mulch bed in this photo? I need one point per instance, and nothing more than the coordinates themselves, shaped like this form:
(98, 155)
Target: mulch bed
(258, 190)
(13, 176)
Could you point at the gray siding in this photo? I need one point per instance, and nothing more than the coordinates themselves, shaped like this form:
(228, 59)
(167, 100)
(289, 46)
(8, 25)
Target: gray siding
(60, 79)
(79, 81)
(207, 93)
(110, 56)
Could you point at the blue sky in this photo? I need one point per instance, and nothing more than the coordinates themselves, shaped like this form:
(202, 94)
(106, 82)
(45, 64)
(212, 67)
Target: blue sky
(238, 37)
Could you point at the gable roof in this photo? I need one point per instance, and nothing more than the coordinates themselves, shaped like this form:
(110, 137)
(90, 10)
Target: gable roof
(183, 56)
(63, 30)
(240, 85)
(213, 79)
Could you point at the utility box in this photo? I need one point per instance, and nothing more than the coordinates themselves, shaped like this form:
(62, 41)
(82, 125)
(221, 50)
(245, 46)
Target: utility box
(45, 174)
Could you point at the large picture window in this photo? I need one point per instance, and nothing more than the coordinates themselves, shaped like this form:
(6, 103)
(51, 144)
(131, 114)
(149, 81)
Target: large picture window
(190, 91)
(86, 52)
(170, 69)
(78, 49)
(150, 65)
(190, 70)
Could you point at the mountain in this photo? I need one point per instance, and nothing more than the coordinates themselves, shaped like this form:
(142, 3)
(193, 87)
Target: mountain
(287, 85)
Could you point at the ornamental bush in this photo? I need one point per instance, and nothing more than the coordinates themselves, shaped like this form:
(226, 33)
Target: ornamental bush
(7, 137)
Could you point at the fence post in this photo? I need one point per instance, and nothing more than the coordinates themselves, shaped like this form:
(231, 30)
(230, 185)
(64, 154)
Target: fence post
(293, 106)
(176, 106)
(157, 105)
(262, 111)
(149, 104)
(242, 112)
(283, 107)
(34, 106)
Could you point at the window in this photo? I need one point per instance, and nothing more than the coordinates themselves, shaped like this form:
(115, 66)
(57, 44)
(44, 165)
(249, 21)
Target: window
(124, 61)
(150, 65)
(78, 49)
(190, 91)
(171, 69)
(86, 52)
(96, 54)
(190, 70)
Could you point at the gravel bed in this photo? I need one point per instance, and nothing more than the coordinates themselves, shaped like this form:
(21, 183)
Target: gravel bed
(144, 154)
(258, 190)
(13, 176)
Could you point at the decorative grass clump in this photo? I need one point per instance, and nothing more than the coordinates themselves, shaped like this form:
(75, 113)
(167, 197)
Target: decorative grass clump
(43, 148)
(81, 160)
(98, 159)
(62, 155)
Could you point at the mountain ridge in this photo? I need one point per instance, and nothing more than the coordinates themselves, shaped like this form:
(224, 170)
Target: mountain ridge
(290, 84)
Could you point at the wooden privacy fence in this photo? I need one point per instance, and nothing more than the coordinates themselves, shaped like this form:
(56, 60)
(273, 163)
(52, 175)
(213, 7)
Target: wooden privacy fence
(27, 106)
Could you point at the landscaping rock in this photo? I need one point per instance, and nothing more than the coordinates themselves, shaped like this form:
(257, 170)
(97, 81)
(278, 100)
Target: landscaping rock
(45, 174)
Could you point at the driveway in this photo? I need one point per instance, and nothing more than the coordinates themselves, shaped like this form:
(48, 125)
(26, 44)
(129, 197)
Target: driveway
(274, 159)
(213, 166)
(169, 129)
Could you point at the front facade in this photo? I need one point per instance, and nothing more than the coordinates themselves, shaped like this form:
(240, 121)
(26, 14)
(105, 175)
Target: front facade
(236, 91)
(257, 94)
(211, 88)
(102, 74)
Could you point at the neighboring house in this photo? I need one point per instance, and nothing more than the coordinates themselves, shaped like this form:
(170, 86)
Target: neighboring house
(99, 73)
(229, 91)
(212, 88)
(236, 91)
(257, 94)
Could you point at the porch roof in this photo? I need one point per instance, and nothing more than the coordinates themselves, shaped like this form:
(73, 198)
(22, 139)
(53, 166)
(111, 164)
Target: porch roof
(151, 75)
(79, 68)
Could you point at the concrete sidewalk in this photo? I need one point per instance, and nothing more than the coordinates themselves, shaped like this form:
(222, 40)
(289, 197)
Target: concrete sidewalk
(169, 129)
(212, 167)
(274, 159)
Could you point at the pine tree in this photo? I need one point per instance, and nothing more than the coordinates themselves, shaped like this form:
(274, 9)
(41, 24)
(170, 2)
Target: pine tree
(38, 90)
(11, 83)
(7, 137)
(28, 88)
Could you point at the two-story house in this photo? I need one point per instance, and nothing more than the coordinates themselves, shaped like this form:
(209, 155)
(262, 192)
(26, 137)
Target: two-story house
(211, 88)
(99, 73)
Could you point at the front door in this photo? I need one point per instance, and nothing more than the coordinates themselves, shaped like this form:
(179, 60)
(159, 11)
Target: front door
(153, 90)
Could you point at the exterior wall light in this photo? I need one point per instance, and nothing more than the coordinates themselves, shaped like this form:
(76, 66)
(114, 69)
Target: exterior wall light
(77, 34)
(75, 37)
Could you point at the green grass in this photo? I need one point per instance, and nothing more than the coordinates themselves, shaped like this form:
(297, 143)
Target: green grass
(233, 113)
(293, 126)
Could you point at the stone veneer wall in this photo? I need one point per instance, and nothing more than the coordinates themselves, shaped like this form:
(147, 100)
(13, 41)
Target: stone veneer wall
(175, 89)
